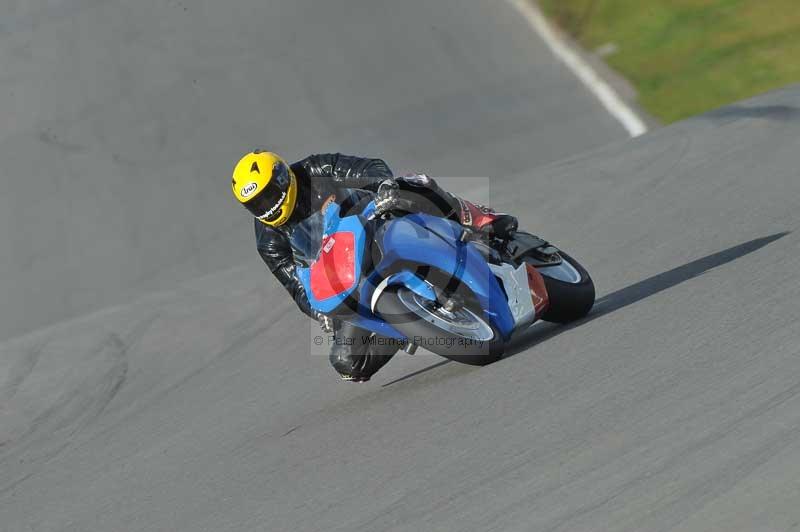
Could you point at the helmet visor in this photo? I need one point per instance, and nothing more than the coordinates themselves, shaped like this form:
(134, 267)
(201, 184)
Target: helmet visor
(267, 204)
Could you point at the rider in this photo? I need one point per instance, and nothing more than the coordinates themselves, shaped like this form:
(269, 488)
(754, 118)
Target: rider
(281, 195)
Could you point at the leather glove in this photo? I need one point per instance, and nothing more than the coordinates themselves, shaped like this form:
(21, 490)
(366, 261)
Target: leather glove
(326, 323)
(387, 196)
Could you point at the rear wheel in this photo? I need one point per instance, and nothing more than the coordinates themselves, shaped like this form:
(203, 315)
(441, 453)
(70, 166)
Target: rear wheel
(569, 288)
(461, 334)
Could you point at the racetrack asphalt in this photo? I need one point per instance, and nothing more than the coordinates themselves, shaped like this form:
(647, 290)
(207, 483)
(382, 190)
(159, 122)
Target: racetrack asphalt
(187, 400)
(122, 122)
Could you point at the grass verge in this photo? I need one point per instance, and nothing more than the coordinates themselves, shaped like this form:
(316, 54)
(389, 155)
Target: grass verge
(689, 56)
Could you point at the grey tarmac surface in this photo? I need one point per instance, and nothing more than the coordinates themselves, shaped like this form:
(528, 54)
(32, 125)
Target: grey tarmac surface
(674, 406)
(121, 122)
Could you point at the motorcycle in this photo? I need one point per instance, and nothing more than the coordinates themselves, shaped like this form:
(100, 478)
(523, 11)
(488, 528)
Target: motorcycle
(427, 281)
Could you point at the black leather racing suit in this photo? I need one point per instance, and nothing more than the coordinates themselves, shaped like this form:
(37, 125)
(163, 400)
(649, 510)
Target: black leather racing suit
(318, 177)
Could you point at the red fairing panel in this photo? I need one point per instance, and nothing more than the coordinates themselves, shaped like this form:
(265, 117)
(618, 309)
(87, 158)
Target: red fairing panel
(538, 290)
(334, 271)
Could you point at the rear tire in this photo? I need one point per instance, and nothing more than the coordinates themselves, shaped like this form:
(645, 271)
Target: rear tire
(436, 339)
(568, 301)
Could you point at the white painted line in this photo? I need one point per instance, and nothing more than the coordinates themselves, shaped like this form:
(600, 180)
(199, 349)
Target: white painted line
(602, 90)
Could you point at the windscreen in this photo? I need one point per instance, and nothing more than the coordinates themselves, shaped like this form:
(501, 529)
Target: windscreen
(306, 238)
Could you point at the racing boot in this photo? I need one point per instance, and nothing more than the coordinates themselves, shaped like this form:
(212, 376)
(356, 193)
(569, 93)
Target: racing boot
(485, 220)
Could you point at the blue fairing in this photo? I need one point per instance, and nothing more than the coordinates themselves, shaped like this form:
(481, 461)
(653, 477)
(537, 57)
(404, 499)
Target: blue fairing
(335, 224)
(414, 240)
(430, 240)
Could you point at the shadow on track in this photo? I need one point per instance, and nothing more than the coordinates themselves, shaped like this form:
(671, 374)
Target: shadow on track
(627, 296)
(415, 373)
(644, 289)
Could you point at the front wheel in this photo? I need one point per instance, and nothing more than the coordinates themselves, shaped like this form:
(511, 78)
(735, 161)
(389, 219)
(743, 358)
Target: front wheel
(462, 334)
(569, 288)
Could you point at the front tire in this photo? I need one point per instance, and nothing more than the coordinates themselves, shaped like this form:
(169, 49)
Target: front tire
(464, 336)
(570, 298)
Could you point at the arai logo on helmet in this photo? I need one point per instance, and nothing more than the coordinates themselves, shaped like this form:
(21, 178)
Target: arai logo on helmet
(248, 189)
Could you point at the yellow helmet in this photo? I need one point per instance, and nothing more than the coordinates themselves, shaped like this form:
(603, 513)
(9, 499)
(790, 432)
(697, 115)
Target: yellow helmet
(266, 186)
